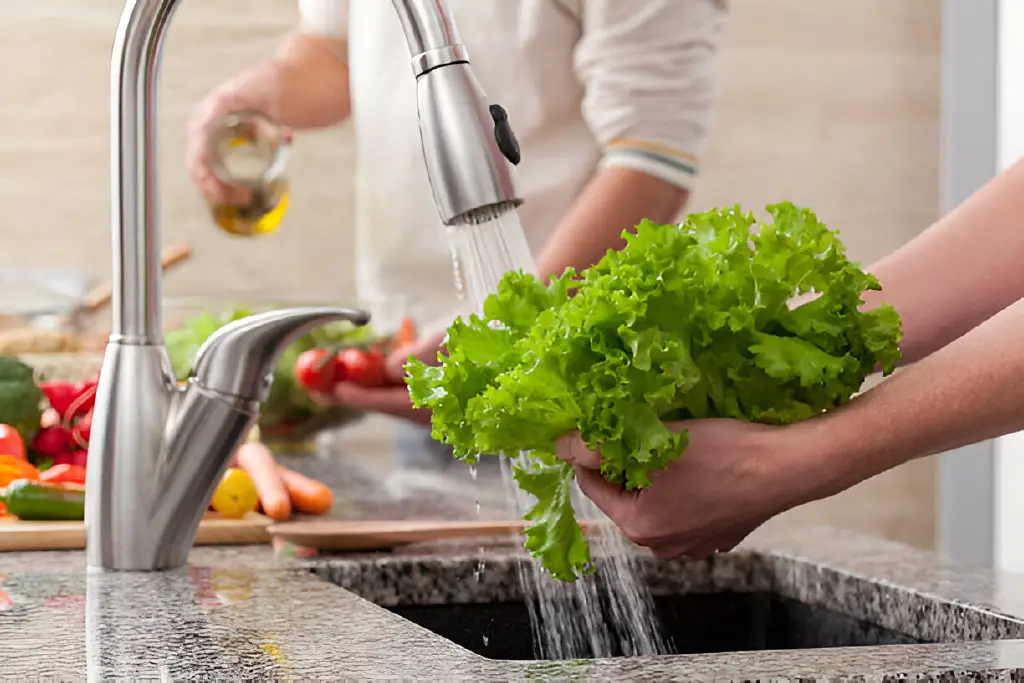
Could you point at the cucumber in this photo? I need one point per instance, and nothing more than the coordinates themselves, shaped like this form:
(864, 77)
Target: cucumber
(31, 501)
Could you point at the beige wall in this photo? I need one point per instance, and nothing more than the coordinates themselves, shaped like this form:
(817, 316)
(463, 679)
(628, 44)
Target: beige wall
(833, 104)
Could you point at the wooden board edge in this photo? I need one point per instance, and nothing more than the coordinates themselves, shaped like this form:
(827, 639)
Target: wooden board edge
(213, 531)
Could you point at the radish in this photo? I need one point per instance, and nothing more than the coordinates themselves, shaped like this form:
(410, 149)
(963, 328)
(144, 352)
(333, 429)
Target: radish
(79, 458)
(52, 441)
(65, 458)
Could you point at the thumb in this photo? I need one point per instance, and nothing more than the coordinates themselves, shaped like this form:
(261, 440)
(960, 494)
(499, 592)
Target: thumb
(394, 365)
(571, 449)
(612, 500)
(425, 350)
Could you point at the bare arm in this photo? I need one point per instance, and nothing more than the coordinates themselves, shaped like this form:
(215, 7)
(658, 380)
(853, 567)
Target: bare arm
(969, 391)
(647, 67)
(736, 475)
(614, 200)
(959, 287)
(304, 85)
(961, 271)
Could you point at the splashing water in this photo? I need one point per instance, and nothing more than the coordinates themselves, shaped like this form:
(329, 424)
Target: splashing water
(604, 614)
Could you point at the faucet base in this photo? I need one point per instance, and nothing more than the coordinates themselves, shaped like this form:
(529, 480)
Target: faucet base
(142, 512)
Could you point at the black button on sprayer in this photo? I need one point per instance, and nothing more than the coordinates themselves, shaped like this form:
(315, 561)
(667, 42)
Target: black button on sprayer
(504, 136)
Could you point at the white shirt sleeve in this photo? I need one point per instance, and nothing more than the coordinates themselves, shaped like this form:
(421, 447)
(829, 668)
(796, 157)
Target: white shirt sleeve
(324, 17)
(648, 67)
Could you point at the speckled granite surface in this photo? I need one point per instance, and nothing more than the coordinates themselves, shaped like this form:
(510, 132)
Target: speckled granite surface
(241, 613)
(244, 613)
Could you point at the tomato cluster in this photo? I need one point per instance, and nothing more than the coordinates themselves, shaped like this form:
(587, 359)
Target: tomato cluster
(319, 370)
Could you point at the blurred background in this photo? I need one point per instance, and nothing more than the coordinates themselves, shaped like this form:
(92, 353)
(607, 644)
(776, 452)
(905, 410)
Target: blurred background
(832, 104)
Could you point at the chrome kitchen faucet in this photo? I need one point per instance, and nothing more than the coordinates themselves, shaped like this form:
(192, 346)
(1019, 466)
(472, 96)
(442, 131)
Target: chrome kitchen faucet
(157, 450)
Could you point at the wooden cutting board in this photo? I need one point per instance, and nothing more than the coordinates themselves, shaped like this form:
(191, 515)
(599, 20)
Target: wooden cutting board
(213, 530)
(353, 536)
(384, 535)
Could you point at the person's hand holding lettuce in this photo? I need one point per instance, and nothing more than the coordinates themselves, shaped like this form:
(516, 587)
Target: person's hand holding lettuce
(686, 322)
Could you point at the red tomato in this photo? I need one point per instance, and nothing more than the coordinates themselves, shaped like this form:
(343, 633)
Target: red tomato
(11, 442)
(365, 368)
(317, 371)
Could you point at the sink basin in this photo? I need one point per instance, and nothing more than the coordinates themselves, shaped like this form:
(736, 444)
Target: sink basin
(746, 601)
(694, 623)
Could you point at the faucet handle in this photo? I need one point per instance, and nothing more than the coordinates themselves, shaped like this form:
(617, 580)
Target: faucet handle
(238, 359)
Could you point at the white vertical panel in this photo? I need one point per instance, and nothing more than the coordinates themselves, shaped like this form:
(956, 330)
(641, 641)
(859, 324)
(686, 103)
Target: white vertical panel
(1009, 450)
(967, 476)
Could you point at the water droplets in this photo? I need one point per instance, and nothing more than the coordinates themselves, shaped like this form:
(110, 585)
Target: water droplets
(605, 613)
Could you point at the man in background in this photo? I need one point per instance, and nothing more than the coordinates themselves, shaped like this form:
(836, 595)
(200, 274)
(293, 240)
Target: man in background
(611, 102)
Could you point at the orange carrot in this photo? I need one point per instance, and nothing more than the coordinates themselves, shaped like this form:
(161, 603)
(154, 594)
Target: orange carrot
(258, 461)
(308, 495)
(406, 333)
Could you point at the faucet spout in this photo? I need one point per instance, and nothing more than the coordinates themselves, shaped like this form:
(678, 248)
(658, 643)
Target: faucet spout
(468, 144)
(238, 359)
(135, 229)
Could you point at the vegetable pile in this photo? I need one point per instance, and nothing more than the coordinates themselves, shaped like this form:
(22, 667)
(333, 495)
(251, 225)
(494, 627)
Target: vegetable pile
(44, 457)
(276, 490)
(44, 437)
(686, 321)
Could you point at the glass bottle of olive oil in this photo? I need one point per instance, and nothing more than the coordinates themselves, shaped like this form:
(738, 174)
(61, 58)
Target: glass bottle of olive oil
(249, 151)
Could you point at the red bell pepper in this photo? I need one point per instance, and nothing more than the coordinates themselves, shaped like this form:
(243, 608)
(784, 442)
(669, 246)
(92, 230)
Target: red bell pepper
(60, 395)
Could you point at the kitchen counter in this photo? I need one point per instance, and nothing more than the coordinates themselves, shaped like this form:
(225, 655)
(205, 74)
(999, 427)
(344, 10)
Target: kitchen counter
(248, 613)
(242, 613)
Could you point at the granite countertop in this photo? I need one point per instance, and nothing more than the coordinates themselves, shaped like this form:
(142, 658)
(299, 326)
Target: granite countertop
(248, 613)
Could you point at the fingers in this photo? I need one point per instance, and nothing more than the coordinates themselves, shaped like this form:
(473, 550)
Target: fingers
(197, 156)
(701, 549)
(609, 498)
(390, 400)
(572, 450)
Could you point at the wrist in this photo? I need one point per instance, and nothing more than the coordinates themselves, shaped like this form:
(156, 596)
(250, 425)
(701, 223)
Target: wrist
(252, 90)
(806, 462)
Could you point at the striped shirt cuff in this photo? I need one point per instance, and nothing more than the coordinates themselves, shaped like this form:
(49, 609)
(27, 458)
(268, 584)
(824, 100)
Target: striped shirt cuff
(674, 166)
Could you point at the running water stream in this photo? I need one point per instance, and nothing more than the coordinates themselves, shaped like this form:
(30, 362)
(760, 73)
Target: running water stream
(605, 614)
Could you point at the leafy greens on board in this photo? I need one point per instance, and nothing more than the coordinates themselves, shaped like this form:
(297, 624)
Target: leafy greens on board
(686, 321)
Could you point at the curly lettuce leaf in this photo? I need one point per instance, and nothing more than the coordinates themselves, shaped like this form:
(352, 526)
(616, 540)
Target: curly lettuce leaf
(686, 321)
(554, 534)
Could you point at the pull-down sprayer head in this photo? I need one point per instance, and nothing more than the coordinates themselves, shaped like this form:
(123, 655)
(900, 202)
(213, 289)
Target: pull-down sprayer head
(467, 144)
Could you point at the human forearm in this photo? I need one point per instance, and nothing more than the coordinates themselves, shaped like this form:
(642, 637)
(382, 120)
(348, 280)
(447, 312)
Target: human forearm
(971, 390)
(959, 272)
(305, 85)
(616, 199)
